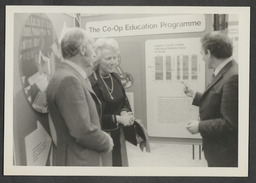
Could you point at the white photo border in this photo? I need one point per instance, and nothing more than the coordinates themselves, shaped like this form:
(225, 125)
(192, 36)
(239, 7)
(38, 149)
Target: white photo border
(244, 68)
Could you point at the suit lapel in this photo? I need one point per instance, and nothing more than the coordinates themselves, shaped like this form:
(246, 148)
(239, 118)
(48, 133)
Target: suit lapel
(219, 76)
(214, 81)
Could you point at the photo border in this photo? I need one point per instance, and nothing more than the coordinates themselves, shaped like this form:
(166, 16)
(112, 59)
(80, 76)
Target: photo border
(248, 110)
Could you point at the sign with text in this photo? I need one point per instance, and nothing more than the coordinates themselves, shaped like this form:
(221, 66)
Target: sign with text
(169, 64)
(147, 25)
(38, 145)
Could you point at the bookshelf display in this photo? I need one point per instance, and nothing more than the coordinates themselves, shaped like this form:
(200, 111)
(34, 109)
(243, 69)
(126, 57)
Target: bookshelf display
(39, 55)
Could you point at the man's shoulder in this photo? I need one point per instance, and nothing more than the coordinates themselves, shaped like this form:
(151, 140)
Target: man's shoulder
(233, 71)
(234, 66)
(232, 74)
(60, 75)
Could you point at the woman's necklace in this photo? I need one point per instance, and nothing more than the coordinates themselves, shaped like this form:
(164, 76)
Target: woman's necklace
(110, 90)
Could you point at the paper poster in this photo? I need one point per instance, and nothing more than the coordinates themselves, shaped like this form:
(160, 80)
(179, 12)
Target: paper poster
(38, 145)
(169, 63)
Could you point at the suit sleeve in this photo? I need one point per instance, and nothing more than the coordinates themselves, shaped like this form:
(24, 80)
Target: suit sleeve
(109, 120)
(228, 123)
(73, 106)
(197, 99)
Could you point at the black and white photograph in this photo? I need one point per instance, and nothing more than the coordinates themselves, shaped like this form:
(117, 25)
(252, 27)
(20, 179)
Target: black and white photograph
(127, 91)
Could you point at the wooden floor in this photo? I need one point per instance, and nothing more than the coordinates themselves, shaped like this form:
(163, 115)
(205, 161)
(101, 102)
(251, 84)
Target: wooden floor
(165, 154)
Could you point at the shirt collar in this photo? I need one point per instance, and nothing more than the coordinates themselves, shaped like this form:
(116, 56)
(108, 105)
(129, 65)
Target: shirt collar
(77, 68)
(217, 70)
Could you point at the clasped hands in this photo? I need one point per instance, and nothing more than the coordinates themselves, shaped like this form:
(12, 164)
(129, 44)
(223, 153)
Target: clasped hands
(125, 118)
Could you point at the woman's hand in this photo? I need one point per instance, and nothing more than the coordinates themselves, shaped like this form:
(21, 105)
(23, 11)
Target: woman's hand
(125, 119)
(130, 114)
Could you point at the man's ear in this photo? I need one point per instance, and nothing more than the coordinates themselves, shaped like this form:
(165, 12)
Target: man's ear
(83, 50)
(208, 53)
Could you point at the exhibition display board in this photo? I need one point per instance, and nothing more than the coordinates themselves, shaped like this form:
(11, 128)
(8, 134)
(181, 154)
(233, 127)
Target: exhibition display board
(171, 64)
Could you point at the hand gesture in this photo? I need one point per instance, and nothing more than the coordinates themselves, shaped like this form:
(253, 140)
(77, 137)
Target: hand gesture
(193, 127)
(188, 91)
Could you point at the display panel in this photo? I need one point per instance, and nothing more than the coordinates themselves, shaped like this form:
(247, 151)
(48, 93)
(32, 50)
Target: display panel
(169, 64)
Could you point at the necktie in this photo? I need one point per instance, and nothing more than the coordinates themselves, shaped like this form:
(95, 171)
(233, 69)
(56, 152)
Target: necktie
(88, 82)
(213, 74)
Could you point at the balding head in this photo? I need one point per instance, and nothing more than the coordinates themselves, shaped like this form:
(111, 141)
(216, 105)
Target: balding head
(73, 40)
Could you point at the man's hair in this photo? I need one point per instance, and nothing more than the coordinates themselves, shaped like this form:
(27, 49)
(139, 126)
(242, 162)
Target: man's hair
(72, 40)
(218, 44)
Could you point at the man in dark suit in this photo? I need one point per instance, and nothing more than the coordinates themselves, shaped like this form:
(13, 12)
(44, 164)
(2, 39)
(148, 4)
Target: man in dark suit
(74, 108)
(218, 104)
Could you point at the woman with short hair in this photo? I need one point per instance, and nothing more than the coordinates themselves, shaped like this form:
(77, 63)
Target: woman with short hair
(116, 110)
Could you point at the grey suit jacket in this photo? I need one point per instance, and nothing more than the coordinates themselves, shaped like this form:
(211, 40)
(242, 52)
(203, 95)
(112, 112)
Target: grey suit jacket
(75, 111)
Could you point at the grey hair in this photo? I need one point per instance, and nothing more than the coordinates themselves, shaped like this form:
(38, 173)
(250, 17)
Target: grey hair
(72, 40)
(106, 43)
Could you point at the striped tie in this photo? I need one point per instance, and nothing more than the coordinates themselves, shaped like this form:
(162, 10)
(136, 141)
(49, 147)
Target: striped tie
(213, 74)
(89, 83)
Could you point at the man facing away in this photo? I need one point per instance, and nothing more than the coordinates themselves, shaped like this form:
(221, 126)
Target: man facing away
(74, 108)
(218, 104)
